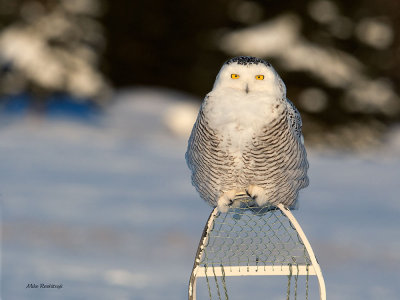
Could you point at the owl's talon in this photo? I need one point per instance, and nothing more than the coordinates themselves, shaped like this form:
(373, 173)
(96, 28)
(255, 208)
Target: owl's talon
(225, 202)
(248, 193)
(258, 194)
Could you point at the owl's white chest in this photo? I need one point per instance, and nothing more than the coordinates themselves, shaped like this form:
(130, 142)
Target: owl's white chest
(238, 117)
(237, 133)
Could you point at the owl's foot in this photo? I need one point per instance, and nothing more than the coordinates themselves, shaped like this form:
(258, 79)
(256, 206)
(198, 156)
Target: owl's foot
(226, 201)
(258, 194)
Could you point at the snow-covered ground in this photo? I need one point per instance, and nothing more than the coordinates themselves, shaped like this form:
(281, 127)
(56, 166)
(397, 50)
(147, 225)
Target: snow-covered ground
(106, 208)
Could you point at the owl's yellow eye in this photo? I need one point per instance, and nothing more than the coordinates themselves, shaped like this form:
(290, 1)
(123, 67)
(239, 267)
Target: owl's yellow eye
(235, 76)
(259, 77)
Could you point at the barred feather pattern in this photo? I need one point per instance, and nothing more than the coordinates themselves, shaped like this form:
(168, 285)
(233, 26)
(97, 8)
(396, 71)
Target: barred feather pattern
(294, 118)
(212, 167)
(274, 159)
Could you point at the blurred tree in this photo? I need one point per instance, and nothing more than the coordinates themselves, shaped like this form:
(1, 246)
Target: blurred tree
(49, 46)
(339, 59)
(165, 43)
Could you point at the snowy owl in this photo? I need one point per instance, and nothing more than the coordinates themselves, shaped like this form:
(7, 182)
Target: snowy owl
(247, 138)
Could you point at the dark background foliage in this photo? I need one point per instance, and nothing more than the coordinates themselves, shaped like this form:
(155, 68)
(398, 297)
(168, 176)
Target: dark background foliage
(182, 44)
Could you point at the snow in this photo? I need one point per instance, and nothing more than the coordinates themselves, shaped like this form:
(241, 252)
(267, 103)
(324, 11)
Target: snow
(106, 208)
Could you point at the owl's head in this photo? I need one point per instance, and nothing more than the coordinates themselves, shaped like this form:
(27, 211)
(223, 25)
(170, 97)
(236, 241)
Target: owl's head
(250, 75)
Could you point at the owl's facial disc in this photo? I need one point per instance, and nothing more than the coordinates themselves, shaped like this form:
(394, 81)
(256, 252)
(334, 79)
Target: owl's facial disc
(248, 79)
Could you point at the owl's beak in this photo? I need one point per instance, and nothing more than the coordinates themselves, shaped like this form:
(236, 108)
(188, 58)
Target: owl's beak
(247, 88)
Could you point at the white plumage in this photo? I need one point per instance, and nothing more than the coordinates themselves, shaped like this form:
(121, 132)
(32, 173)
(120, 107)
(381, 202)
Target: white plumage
(247, 138)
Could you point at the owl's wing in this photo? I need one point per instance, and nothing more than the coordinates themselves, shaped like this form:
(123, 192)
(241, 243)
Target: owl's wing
(206, 159)
(294, 119)
(278, 161)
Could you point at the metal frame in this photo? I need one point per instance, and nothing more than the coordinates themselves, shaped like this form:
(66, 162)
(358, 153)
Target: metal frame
(199, 271)
(314, 262)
